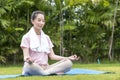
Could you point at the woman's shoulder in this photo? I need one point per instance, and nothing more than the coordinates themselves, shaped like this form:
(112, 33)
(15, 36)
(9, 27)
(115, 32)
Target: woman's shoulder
(26, 35)
(47, 36)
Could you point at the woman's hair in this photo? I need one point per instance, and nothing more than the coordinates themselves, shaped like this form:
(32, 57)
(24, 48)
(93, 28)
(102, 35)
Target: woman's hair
(35, 13)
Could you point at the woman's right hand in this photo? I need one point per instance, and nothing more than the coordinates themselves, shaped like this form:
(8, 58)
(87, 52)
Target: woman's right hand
(29, 60)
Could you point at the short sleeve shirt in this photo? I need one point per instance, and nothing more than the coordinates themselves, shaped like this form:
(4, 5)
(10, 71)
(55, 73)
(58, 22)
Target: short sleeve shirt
(37, 57)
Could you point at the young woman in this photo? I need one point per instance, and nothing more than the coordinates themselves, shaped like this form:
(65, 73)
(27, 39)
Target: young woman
(37, 49)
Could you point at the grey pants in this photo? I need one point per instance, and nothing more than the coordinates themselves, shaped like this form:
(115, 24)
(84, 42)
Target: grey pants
(35, 69)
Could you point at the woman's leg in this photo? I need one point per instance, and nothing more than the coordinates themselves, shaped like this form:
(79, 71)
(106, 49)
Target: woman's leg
(61, 66)
(33, 69)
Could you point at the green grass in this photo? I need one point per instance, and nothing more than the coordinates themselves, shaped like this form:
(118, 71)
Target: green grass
(104, 67)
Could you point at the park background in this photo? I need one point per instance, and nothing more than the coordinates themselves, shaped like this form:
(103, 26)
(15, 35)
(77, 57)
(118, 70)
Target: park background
(88, 28)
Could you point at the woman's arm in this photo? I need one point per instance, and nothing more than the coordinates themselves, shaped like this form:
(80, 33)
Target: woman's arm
(53, 56)
(26, 54)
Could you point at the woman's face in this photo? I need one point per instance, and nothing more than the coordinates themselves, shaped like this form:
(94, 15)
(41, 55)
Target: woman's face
(38, 22)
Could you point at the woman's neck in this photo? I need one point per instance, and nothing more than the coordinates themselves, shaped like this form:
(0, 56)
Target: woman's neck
(38, 32)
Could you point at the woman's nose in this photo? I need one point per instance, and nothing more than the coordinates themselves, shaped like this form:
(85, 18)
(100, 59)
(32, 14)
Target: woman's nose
(42, 22)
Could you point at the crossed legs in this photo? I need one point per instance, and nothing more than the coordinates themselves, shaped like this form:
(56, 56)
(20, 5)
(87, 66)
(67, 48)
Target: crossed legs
(60, 66)
(34, 69)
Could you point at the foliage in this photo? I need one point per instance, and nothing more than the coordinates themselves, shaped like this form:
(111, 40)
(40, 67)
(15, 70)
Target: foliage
(82, 27)
(94, 25)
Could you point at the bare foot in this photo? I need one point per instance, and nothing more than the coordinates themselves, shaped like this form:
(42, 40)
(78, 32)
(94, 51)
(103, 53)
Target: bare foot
(60, 73)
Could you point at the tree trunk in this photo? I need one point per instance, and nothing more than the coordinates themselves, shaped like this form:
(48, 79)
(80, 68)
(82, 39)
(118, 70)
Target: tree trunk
(112, 35)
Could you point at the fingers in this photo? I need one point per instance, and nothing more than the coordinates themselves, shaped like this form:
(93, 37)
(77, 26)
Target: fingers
(76, 57)
(28, 60)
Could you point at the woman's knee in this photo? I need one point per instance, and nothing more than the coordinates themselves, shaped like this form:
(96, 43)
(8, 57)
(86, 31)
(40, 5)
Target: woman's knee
(34, 69)
(68, 62)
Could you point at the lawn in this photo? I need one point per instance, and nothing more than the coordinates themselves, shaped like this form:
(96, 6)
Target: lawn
(103, 67)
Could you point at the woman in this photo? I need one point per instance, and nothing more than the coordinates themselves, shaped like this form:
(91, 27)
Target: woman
(37, 48)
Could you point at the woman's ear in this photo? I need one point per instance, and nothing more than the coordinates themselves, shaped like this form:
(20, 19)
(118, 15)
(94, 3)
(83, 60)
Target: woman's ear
(32, 21)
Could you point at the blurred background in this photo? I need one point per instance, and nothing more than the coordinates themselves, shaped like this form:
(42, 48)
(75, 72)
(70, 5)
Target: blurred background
(88, 28)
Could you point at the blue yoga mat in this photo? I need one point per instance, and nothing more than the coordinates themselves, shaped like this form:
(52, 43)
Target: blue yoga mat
(73, 71)
(9, 76)
(84, 71)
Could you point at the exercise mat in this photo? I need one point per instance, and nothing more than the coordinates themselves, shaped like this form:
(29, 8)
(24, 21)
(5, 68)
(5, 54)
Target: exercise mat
(74, 71)
(86, 71)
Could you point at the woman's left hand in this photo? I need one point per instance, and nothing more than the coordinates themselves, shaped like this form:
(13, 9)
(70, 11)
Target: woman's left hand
(73, 57)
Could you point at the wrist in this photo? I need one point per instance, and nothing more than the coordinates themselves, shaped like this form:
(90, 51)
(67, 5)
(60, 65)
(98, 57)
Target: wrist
(67, 58)
(26, 58)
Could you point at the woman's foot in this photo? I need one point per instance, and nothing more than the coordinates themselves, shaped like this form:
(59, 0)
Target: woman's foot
(60, 73)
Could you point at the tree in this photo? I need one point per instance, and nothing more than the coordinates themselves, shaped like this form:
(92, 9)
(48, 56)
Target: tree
(12, 23)
(79, 27)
